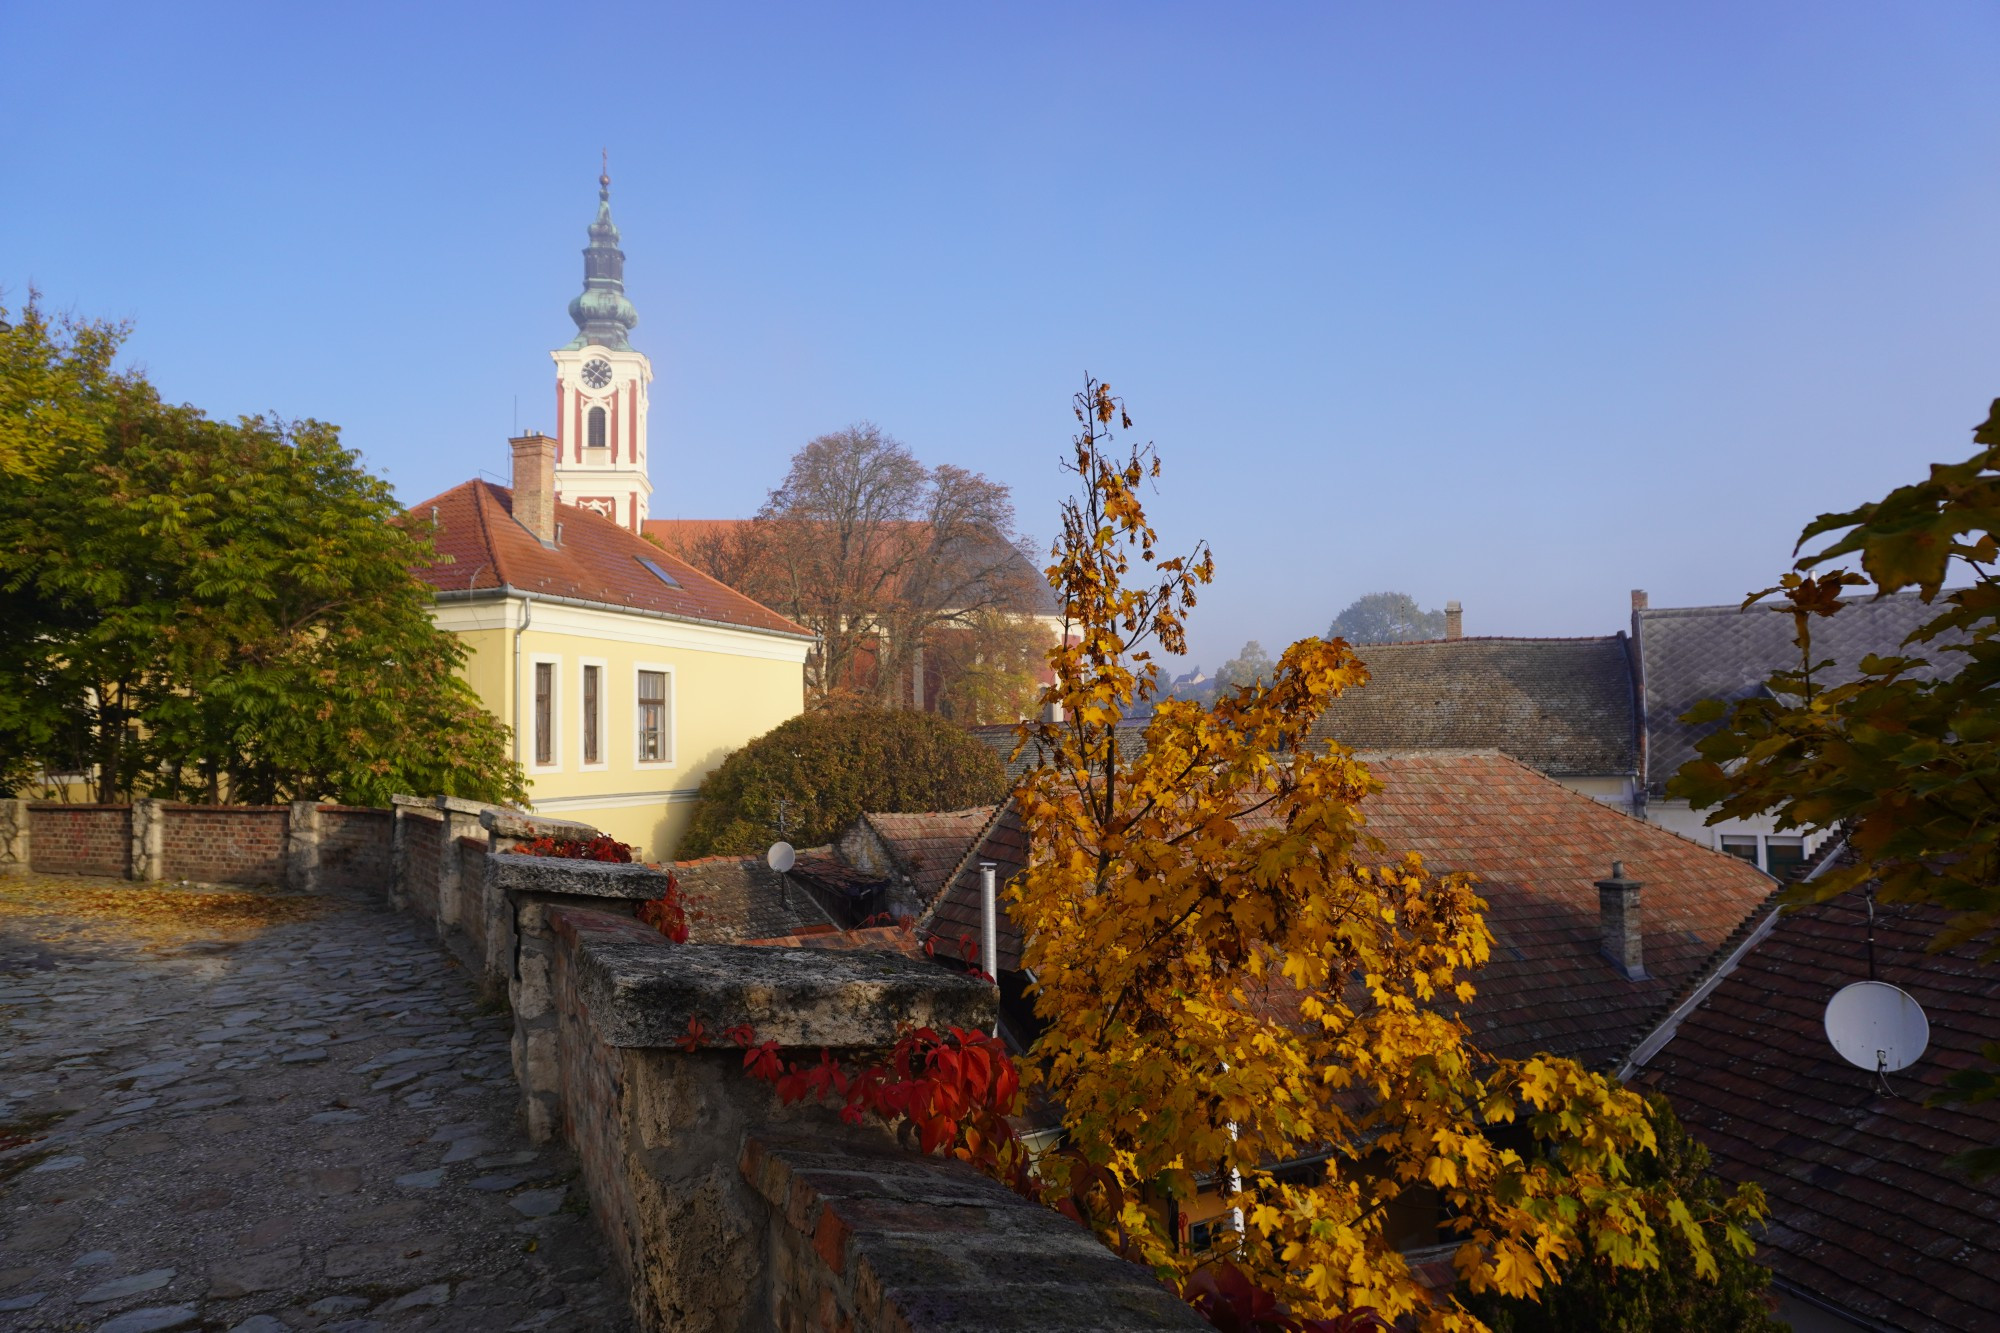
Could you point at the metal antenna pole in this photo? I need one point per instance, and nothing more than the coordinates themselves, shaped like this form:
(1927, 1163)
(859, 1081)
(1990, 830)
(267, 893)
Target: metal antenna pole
(1869, 894)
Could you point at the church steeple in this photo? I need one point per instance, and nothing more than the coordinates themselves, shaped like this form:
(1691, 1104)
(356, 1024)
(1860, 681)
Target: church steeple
(601, 388)
(603, 316)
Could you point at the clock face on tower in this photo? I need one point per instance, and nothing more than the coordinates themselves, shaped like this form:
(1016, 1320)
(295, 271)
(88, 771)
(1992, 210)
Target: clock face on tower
(597, 374)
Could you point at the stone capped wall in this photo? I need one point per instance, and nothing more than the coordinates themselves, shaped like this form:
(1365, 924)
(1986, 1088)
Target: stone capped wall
(423, 851)
(224, 844)
(354, 847)
(80, 839)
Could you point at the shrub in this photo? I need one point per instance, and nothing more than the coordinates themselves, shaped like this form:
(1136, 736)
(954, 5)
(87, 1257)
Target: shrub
(602, 847)
(818, 772)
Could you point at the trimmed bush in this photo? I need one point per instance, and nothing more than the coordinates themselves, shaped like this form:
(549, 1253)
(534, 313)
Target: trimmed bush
(822, 770)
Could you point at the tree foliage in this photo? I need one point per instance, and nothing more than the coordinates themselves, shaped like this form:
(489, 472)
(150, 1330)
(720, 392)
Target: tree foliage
(1252, 666)
(1386, 617)
(1906, 755)
(1596, 1296)
(873, 551)
(201, 610)
(809, 778)
(1232, 976)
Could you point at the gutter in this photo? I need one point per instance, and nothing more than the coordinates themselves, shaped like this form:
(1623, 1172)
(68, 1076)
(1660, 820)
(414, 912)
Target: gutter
(507, 590)
(1805, 1296)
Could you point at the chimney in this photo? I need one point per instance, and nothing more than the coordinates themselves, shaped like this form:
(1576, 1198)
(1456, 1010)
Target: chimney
(535, 485)
(1638, 599)
(1454, 620)
(1618, 913)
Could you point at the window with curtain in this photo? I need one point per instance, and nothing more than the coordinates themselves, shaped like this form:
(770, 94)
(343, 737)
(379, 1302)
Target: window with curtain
(652, 716)
(545, 712)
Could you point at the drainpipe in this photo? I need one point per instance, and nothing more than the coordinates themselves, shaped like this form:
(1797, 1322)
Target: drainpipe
(989, 931)
(527, 618)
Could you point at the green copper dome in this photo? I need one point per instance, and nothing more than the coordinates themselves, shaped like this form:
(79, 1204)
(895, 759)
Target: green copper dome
(603, 316)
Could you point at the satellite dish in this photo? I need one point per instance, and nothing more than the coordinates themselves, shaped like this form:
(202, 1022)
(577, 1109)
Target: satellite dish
(781, 858)
(1876, 1026)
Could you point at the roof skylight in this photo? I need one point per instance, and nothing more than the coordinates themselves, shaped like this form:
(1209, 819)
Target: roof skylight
(657, 572)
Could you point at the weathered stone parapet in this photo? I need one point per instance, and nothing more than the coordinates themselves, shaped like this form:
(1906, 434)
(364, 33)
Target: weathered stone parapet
(16, 827)
(642, 990)
(863, 1236)
(507, 827)
(302, 836)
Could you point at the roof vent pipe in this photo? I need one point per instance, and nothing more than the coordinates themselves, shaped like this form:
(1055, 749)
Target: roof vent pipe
(1618, 915)
(989, 922)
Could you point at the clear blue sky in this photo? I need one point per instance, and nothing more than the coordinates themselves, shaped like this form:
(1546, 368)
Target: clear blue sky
(1526, 305)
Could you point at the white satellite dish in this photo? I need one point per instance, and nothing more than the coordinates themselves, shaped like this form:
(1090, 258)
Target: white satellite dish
(781, 857)
(1876, 1026)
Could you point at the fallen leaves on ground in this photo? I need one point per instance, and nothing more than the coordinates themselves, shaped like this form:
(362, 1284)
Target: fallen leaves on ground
(50, 908)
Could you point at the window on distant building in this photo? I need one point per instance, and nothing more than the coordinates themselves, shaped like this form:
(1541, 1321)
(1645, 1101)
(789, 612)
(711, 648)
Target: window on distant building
(545, 712)
(652, 716)
(1785, 857)
(596, 437)
(592, 747)
(1741, 846)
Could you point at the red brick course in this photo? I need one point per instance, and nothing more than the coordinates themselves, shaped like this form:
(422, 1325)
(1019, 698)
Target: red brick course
(80, 839)
(354, 847)
(225, 844)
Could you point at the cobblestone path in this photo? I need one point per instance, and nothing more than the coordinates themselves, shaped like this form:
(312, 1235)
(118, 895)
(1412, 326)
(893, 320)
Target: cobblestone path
(233, 1111)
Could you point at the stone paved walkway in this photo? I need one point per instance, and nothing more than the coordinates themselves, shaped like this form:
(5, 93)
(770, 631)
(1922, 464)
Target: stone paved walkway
(231, 1111)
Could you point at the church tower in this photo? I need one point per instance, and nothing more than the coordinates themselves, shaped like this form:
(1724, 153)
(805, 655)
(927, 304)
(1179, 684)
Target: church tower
(601, 388)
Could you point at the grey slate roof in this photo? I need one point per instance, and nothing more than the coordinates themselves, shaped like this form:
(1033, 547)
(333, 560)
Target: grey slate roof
(1688, 654)
(1561, 706)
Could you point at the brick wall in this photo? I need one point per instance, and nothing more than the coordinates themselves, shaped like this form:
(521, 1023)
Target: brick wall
(471, 853)
(424, 847)
(225, 844)
(354, 847)
(80, 839)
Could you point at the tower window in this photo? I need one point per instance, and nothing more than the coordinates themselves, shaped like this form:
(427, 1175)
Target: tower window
(595, 437)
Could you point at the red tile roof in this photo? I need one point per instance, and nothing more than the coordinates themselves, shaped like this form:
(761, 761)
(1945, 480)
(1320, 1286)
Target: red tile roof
(731, 899)
(1864, 1213)
(1538, 850)
(928, 847)
(480, 546)
(880, 939)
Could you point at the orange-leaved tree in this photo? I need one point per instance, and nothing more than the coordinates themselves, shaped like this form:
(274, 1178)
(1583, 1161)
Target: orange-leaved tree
(1233, 977)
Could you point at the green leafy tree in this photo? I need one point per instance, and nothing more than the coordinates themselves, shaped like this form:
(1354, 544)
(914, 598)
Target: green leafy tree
(1386, 617)
(1252, 666)
(811, 777)
(201, 610)
(1595, 1295)
(1906, 755)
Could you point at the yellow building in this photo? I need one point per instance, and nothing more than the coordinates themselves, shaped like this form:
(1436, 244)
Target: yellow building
(626, 674)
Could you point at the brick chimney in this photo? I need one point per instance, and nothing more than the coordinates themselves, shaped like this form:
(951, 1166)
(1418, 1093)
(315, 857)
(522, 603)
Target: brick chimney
(1638, 599)
(1618, 914)
(535, 485)
(1454, 620)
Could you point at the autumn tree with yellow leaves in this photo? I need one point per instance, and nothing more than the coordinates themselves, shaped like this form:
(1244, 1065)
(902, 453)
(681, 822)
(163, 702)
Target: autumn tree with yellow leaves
(1234, 976)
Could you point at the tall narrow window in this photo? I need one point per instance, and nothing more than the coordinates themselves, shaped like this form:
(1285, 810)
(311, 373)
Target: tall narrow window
(545, 712)
(652, 716)
(592, 751)
(595, 439)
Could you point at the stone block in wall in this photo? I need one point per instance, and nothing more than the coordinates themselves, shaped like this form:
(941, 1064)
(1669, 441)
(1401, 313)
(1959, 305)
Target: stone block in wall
(147, 859)
(15, 830)
(511, 826)
(641, 989)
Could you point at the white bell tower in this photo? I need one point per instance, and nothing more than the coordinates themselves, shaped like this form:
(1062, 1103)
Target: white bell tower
(601, 384)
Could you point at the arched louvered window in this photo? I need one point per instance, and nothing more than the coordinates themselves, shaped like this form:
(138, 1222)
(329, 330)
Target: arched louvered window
(595, 439)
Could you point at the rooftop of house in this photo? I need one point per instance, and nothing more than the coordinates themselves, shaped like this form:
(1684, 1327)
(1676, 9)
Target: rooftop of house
(1691, 653)
(952, 920)
(737, 899)
(481, 547)
(1562, 706)
(1538, 850)
(928, 847)
(1003, 737)
(1864, 1212)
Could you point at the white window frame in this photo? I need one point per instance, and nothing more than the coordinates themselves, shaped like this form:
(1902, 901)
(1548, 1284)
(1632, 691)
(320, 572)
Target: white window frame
(1763, 841)
(536, 661)
(603, 715)
(673, 719)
